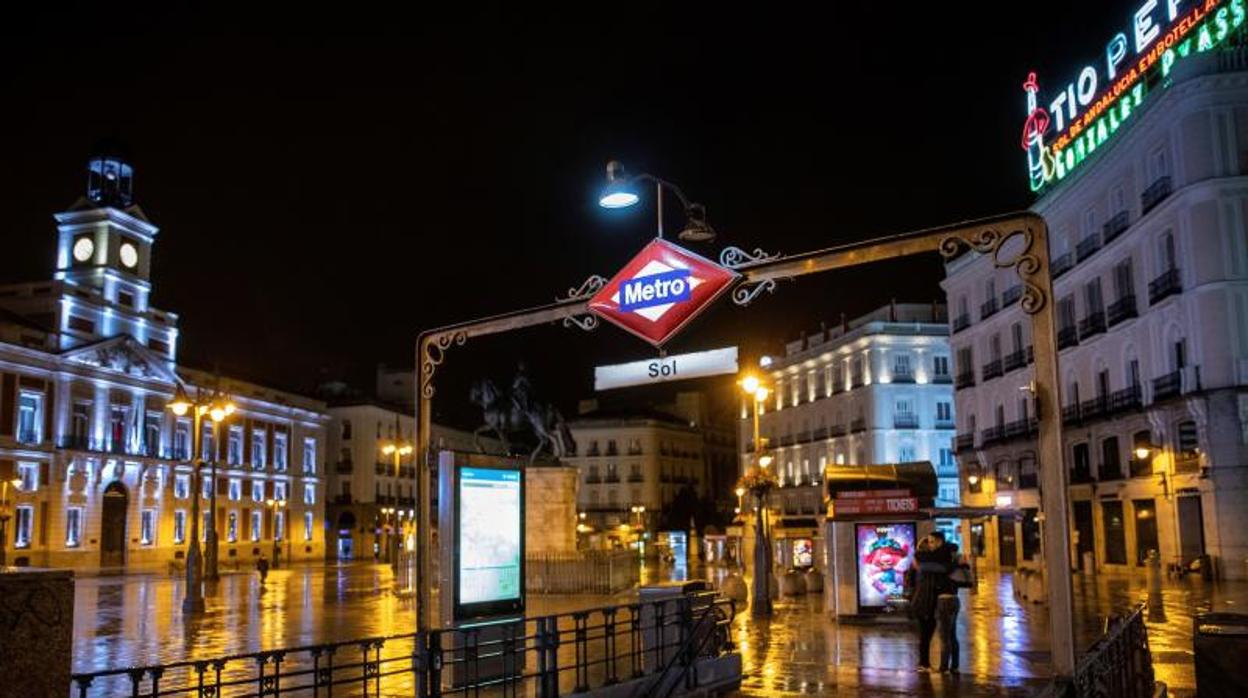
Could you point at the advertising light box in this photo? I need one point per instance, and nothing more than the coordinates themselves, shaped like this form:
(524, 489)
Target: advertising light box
(489, 541)
(884, 551)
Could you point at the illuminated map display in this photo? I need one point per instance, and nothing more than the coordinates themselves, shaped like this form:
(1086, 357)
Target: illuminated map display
(490, 536)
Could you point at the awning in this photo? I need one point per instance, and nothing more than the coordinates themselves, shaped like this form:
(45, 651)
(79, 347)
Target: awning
(918, 477)
(971, 512)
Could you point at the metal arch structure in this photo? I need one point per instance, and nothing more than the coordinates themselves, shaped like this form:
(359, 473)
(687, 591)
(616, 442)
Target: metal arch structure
(1023, 236)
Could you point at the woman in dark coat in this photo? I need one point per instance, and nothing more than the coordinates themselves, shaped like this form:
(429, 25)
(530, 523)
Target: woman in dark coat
(934, 561)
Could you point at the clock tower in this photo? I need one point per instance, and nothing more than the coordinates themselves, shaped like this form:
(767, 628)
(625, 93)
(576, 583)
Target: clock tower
(103, 260)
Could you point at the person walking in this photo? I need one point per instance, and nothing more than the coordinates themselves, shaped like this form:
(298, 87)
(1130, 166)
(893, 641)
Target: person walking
(262, 566)
(933, 560)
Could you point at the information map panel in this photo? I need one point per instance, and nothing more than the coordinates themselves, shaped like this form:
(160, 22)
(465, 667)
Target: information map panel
(489, 544)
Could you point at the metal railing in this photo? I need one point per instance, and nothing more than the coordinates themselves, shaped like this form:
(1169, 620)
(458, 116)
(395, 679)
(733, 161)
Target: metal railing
(1155, 194)
(1088, 246)
(1119, 664)
(1115, 226)
(905, 420)
(1165, 285)
(1067, 336)
(965, 379)
(988, 308)
(659, 645)
(1011, 295)
(589, 572)
(1061, 265)
(1093, 324)
(961, 322)
(992, 369)
(1122, 309)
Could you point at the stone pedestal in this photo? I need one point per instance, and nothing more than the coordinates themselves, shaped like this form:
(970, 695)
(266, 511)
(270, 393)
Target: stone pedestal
(550, 509)
(36, 630)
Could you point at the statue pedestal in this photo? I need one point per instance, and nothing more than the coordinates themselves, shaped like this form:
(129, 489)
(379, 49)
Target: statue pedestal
(37, 616)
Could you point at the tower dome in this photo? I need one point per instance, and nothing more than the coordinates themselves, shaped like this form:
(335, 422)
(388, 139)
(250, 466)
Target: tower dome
(110, 176)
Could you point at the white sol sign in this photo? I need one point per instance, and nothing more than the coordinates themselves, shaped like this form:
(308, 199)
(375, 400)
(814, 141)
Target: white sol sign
(668, 368)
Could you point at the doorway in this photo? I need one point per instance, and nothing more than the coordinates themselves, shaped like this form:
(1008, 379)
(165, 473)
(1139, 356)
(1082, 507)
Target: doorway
(1115, 532)
(1191, 528)
(113, 525)
(1085, 534)
(1006, 538)
(1145, 529)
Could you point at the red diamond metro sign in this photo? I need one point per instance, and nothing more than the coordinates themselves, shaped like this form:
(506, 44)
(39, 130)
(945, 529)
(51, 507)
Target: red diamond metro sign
(660, 291)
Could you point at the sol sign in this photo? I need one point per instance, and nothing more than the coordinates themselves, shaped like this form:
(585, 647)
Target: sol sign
(1064, 127)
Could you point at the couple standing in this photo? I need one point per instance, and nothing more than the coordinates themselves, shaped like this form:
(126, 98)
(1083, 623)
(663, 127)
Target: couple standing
(939, 573)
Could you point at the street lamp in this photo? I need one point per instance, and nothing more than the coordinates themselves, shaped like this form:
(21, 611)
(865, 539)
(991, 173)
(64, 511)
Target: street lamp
(278, 506)
(620, 191)
(762, 479)
(216, 406)
(4, 513)
(398, 448)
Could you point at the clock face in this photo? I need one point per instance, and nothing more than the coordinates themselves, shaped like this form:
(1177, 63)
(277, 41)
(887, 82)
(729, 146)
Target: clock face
(83, 249)
(129, 255)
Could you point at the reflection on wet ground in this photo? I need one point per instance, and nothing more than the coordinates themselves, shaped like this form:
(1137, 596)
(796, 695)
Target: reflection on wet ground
(124, 621)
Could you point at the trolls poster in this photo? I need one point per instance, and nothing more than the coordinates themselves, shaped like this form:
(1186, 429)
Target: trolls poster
(885, 552)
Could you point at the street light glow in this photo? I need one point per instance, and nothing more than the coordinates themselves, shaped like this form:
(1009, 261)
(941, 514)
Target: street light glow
(764, 461)
(618, 199)
(750, 385)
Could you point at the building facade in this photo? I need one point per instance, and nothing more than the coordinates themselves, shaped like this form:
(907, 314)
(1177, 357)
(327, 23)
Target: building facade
(877, 389)
(87, 369)
(1150, 266)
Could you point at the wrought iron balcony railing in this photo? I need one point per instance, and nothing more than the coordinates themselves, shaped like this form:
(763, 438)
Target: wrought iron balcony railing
(963, 442)
(965, 380)
(1155, 194)
(1013, 360)
(1088, 246)
(1067, 337)
(1121, 310)
(1092, 325)
(1167, 386)
(1011, 295)
(1164, 286)
(961, 322)
(988, 308)
(1062, 264)
(1115, 226)
(905, 420)
(992, 369)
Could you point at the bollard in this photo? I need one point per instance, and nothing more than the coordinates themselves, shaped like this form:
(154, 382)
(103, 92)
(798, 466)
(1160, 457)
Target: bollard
(1156, 608)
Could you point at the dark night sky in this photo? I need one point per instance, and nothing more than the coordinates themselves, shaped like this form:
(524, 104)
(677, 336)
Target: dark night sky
(327, 184)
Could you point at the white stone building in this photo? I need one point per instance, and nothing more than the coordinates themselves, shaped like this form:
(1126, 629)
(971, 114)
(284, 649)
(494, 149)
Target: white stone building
(1150, 267)
(87, 367)
(878, 389)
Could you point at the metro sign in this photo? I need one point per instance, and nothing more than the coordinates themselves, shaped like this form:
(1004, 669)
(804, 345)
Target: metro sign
(660, 291)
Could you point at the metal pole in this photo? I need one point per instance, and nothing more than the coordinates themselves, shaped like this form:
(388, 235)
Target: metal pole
(193, 602)
(762, 547)
(658, 196)
(424, 541)
(211, 572)
(4, 537)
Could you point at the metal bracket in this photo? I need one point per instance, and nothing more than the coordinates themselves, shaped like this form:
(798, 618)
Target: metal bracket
(735, 257)
(588, 288)
(435, 353)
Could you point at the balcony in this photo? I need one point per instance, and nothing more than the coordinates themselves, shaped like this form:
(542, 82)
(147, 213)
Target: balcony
(76, 442)
(988, 308)
(802, 437)
(344, 467)
(1126, 400)
(1164, 286)
(1070, 414)
(837, 430)
(1061, 265)
(961, 322)
(1121, 310)
(28, 436)
(1109, 471)
(1092, 325)
(943, 423)
(1013, 360)
(1021, 428)
(1155, 194)
(1167, 386)
(786, 440)
(1088, 246)
(593, 451)
(856, 381)
(1067, 337)
(635, 477)
(1115, 226)
(613, 451)
(963, 442)
(819, 434)
(858, 425)
(1081, 475)
(904, 376)
(634, 450)
(1093, 408)
(992, 435)
(964, 380)
(942, 379)
(593, 479)
(1011, 296)
(1140, 468)
(992, 369)
(611, 478)
(905, 420)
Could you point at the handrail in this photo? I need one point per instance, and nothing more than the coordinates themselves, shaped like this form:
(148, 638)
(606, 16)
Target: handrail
(686, 657)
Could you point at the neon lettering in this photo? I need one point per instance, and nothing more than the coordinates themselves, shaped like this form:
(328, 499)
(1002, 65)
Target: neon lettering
(1087, 85)
(1114, 53)
(1145, 29)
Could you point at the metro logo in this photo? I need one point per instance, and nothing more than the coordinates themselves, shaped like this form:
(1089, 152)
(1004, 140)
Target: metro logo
(656, 289)
(660, 290)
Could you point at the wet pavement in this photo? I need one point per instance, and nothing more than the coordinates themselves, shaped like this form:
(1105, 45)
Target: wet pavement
(134, 620)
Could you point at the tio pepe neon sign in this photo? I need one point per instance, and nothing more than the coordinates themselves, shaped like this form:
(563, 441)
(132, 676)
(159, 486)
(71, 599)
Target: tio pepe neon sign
(1088, 111)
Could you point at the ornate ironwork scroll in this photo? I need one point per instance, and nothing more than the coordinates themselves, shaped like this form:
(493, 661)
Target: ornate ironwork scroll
(735, 257)
(989, 241)
(435, 352)
(745, 293)
(587, 288)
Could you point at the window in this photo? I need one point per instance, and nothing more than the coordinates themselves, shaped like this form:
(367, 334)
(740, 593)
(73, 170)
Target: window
(946, 458)
(940, 365)
(307, 526)
(234, 448)
(1118, 200)
(151, 432)
(1188, 440)
(1165, 253)
(236, 489)
(1158, 165)
(23, 526)
(231, 527)
(279, 525)
(309, 493)
(1092, 294)
(181, 485)
(1123, 283)
(179, 527)
(258, 443)
(994, 348)
(309, 456)
(80, 422)
(207, 449)
(944, 411)
(28, 473)
(827, 381)
(1066, 313)
(182, 440)
(147, 526)
(73, 527)
(1111, 462)
(906, 454)
(279, 452)
(966, 360)
(257, 522)
(1016, 336)
(1089, 222)
(795, 388)
(901, 366)
(346, 430)
(279, 491)
(257, 491)
(29, 417)
(990, 290)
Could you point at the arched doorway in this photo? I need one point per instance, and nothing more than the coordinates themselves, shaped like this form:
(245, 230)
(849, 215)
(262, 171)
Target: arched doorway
(113, 525)
(346, 531)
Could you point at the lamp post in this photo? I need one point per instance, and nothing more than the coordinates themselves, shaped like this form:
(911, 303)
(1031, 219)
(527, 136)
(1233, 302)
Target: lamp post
(621, 192)
(216, 406)
(758, 481)
(398, 448)
(5, 507)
